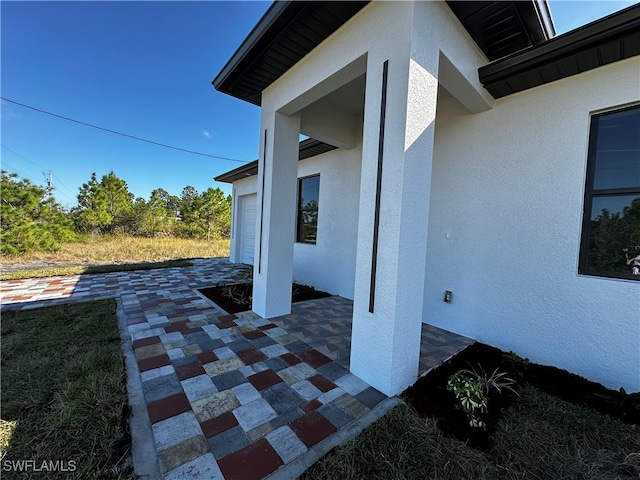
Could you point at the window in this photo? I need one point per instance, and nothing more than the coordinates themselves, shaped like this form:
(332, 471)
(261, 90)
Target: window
(611, 225)
(308, 193)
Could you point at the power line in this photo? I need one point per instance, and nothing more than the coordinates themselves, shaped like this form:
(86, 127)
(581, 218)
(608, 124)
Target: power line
(123, 134)
(24, 174)
(18, 155)
(40, 166)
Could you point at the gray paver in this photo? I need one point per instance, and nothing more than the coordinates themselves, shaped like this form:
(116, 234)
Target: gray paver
(306, 389)
(223, 366)
(296, 373)
(224, 352)
(351, 406)
(246, 393)
(274, 350)
(370, 397)
(175, 353)
(227, 442)
(161, 387)
(182, 452)
(287, 418)
(240, 345)
(276, 364)
(204, 467)
(198, 387)
(176, 429)
(286, 443)
(260, 431)
(282, 398)
(255, 413)
(157, 372)
(351, 384)
(333, 371)
(229, 380)
(335, 415)
(183, 360)
(214, 405)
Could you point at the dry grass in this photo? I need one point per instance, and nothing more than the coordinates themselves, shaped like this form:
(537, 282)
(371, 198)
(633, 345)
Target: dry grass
(108, 250)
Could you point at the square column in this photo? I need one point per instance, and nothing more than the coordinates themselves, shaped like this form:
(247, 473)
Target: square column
(394, 216)
(276, 215)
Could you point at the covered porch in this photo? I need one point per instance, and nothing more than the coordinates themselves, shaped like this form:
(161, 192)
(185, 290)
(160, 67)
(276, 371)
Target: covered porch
(372, 91)
(325, 326)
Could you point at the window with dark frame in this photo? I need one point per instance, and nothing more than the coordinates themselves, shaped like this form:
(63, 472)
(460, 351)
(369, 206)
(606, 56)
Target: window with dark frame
(308, 194)
(610, 244)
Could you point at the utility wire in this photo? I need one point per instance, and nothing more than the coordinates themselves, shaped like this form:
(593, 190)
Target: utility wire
(123, 134)
(24, 174)
(25, 159)
(44, 168)
(35, 181)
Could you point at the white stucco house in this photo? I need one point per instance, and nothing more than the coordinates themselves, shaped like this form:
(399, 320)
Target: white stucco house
(454, 147)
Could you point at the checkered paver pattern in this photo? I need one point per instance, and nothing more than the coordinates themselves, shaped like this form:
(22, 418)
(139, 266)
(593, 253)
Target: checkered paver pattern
(325, 324)
(230, 396)
(245, 390)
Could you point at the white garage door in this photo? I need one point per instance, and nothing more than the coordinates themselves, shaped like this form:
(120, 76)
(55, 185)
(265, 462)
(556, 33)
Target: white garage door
(247, 227)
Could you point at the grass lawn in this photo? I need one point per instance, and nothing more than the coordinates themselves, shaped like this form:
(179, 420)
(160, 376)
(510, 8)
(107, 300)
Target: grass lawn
(540, 437)
(107, 254)
(63, 392)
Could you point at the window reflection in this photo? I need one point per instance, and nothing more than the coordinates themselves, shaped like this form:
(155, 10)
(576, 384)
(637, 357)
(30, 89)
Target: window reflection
(614, 234)
(308, 193)
(611, 225)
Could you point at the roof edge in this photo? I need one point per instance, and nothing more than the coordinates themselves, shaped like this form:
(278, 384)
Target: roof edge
(272, 14)
(307, 148)
(545, 18)
(587, 36)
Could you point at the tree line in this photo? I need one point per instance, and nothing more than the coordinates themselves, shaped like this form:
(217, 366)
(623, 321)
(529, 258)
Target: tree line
(609, 234)
(31, 219)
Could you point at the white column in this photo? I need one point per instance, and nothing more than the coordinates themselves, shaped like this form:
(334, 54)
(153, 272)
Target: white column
(385, 345)
(277, 185)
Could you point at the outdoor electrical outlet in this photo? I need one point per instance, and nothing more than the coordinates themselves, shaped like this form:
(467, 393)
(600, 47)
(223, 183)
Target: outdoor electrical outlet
(447, 296)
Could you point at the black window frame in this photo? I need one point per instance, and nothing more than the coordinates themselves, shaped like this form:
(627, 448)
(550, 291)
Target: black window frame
(590, 193)
(300, 210)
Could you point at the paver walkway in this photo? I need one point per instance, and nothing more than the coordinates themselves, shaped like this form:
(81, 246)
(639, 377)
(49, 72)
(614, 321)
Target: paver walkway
(234, 396)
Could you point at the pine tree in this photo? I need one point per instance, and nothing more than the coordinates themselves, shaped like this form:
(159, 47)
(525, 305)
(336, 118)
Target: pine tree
(30, 219)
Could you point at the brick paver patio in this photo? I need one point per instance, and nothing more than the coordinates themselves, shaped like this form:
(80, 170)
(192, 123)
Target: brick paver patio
(232, 396)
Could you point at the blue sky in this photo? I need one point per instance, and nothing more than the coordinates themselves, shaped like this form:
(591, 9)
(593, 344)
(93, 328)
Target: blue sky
(144, 69)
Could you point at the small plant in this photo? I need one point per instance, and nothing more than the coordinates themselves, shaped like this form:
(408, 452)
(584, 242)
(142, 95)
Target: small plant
(496, 381)
(471, 388)
(236, 295)
(473, 401)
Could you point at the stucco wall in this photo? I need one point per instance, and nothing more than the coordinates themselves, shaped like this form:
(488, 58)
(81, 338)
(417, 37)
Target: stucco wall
(328, 265)
(505, 226)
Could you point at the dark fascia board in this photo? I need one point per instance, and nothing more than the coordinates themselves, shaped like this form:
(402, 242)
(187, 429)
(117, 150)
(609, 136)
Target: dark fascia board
(252, 67)
(281, 21)
(263, 32)
(308, 148)
(563, 56)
